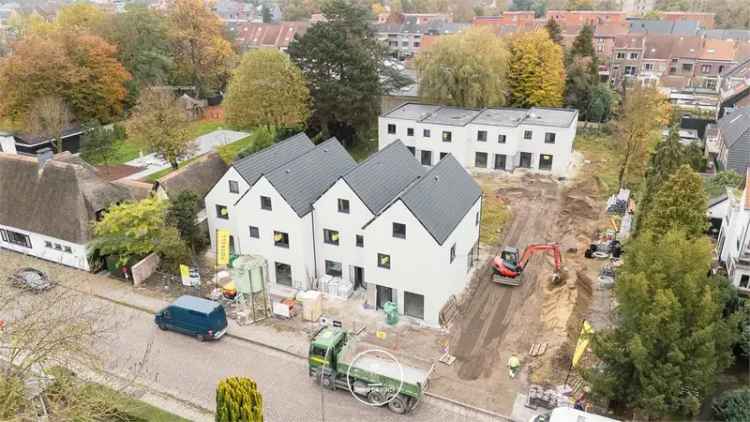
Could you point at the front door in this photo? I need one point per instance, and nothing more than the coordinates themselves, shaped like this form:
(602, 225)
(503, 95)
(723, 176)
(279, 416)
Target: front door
(359, 277)
(525, 160)
(499, 161)
(283, 274)
(385, 294)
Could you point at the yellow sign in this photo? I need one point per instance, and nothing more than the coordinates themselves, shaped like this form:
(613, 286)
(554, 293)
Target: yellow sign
(184, 272)
(583, 342)
(222, 247)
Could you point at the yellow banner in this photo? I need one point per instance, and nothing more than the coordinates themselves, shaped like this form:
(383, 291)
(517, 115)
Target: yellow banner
(184, 272)
(583, 342)
(222, 247)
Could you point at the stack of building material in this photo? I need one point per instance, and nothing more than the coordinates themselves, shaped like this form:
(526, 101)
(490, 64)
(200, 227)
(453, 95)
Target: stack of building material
(335, 287)
(618, 204)
(312, 305)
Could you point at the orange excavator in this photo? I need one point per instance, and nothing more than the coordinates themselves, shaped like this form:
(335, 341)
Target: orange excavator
(508, 268)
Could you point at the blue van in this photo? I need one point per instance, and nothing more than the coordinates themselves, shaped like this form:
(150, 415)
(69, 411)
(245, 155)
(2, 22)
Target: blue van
(202, 318)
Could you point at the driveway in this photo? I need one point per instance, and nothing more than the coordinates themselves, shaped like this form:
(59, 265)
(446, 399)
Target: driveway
(203, 144)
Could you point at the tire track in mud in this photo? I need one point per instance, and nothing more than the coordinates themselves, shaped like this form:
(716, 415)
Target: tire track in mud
(489, 309)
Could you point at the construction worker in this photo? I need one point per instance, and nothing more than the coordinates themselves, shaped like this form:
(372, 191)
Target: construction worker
(514, 365)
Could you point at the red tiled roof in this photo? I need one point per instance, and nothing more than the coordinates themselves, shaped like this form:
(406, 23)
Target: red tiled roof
(718, 50)
(277, 35)
(631, 41)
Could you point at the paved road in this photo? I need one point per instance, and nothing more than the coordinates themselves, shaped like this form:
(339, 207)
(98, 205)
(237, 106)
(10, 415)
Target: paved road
(203, 144)
(190, 370)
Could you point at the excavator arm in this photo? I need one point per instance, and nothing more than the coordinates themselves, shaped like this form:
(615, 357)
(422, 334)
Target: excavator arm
(508, 267)
(539, 247)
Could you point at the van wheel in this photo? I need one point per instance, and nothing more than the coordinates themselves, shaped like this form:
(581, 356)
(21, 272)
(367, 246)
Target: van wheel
(375, 398)
(162, 327)
(200, 337)
(397, 404)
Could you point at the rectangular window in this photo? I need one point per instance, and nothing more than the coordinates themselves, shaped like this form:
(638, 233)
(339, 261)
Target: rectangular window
(476, 219)
(281, 239)
(58, 246)
(633, 56)
(482, 136)
(333, 268)
(283, 274)
(620, 55)
(414, 305)
(443, 154)
(391, 129)
(630, 70)
(234, 186)
(343, 206)
(480, 160)
(648, 67)
(527, 134)
(384, 261)
(500, 161)
(254, 232)
(410, 131)
(19, 239)
(744, 280)
(360, 241)
(416, 44)
(709, 83)
(549, 138)
(412, 150)
(447, 136)
(500, 139)
(47, 244)
(331, 237)
(68, 249)
(426, 133)
(4, 235)
(265, 203)
(399, 230)
(222, 212)
(470, 260)
(525, 161)
(426, 158)
(545, 162)
(453, 253)
(706, 68)
(687, 67)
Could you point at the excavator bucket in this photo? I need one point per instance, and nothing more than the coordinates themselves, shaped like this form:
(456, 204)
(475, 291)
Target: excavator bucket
(506, 281)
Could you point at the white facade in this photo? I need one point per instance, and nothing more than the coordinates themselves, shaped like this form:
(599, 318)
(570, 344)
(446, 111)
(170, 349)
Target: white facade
(497, 139)
(221, 195)
(7, 144)
(733, 246)
(418, 264)
(44, 247)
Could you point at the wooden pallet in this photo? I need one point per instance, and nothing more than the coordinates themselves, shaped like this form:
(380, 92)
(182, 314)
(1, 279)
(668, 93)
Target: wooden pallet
(447, 359)
(538, 349)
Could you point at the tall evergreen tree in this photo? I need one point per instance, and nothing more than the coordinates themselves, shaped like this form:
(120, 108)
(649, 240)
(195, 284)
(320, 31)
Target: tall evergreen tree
(671, 341)
(554, 31)
(238, 400)
(583, 46)
(342, 61)
(680, 204)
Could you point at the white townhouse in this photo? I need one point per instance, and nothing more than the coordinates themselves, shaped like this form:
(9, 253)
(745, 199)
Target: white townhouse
(494, 138)
(47, 206)
(404, 233)
(733, 245)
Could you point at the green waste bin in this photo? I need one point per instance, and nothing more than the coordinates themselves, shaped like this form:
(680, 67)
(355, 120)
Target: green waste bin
(391, 313)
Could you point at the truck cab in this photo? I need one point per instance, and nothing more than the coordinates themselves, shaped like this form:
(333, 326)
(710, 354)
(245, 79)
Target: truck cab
(324, 348)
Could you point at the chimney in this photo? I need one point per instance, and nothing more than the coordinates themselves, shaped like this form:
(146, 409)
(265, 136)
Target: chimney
(44, 155)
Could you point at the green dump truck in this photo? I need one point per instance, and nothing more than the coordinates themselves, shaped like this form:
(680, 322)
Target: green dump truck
(378, 380)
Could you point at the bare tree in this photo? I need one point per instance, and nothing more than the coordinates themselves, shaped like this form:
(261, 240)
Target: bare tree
(49, 117)
(53, 342)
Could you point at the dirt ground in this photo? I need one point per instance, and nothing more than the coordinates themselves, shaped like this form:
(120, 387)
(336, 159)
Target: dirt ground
(496, 321)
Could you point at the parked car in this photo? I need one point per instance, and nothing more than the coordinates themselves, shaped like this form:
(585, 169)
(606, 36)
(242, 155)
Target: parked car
(201, 318)
(31, 279)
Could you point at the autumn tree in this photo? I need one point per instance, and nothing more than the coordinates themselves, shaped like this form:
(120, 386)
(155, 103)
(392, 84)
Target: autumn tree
(644, 112)
(343, 62)
(83, 16)
(49, 117)
(159, 125)
(671, 341)
(143, 47)
(681, 203)
(554, 31)
(718, 184)
(201, 53)
(78, 67)
(267, 89)
(537, 75)
(466, 69)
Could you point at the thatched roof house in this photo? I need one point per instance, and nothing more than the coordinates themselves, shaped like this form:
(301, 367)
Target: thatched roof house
(47, 206)
(198, 177)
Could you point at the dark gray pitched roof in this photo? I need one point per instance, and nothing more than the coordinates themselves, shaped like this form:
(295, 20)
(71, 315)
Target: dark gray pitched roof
(304, 179)
(198, 177)
(384, 175)
(59, 199)
(278, 154)
(441, 199)
(735, 125)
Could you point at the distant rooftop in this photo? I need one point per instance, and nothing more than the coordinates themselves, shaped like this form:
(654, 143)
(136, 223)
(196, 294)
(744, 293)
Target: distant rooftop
(455, 116)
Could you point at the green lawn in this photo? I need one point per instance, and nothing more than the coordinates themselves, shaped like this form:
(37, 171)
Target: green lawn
(202, 127)
(134, 408)
(161, 173)
(229, 152)
(599, 149)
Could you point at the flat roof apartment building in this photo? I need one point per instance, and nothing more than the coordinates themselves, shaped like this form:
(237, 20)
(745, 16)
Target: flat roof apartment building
(539, 139)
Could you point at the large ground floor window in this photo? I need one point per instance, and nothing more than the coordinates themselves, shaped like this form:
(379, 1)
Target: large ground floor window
(15, 238)
(545, 162)
(284, 274)
(525, 161)
(414, 305)
(333, 269)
